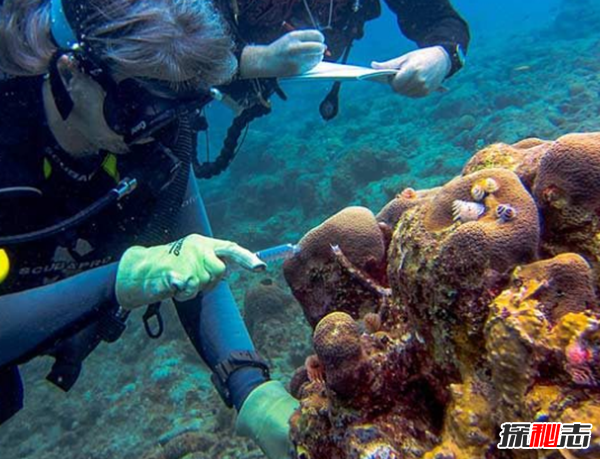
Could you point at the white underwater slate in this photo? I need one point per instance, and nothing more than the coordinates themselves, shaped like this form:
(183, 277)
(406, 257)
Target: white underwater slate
(330, 71)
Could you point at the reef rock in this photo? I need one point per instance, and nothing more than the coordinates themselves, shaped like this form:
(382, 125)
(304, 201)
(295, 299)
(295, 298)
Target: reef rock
(487, 311)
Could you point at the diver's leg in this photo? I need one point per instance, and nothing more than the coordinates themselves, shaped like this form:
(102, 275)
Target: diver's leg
(213, 321)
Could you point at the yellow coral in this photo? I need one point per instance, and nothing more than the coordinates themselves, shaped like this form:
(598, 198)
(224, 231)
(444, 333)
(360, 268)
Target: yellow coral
(469, 431)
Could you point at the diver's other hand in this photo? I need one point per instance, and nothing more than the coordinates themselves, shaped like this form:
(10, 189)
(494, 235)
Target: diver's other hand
(420, 72)
(294, 53)
(179, 270)
(265, 418)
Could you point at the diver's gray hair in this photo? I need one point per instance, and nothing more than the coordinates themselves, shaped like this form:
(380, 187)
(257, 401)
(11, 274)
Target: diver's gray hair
(174, 40)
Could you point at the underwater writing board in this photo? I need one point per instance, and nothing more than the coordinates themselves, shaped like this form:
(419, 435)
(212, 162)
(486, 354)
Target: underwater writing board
(330, 71)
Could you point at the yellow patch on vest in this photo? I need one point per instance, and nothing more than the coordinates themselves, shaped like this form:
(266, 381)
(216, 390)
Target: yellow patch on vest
(47, 168)
(110, 167)
(4, 265)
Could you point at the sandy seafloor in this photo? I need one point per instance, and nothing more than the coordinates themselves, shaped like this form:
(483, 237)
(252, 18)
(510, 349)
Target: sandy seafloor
(294, 171)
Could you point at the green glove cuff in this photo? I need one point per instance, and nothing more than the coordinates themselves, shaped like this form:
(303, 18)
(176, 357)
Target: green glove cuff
(265, 418)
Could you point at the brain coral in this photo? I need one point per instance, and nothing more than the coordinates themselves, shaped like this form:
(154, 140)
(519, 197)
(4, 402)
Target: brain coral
(571, 168)
(408, 198)
(562, 176)
(568, 192)
(338, 346)
(446, 272)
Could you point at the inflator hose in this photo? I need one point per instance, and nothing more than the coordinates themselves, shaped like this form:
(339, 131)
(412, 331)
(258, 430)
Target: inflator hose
(230, 145)
(109, 198)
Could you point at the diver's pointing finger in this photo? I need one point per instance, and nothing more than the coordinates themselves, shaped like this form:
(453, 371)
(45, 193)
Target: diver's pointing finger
(233, 253)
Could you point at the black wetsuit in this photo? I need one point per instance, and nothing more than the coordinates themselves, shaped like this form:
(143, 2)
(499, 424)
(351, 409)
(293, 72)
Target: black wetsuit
(58, 298)
(426, 22)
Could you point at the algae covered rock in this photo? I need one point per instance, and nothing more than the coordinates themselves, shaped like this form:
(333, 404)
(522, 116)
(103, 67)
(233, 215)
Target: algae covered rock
(317, 279)
(487, 313)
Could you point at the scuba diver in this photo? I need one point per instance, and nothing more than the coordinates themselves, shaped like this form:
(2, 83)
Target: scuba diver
(282, 38)
(279, 38)
(100, 106)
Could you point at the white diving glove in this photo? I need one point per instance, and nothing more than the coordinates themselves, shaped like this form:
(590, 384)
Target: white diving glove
(179, 270)
(294, 53)
(420, 72)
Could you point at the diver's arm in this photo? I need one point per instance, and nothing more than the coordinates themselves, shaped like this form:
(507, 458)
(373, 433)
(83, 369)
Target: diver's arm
(32, 318)
(212, 320)
(433, 23)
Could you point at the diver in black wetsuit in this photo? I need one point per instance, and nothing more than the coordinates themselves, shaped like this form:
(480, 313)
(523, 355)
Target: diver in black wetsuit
(99, 213)
(278, 38)
(282, 37)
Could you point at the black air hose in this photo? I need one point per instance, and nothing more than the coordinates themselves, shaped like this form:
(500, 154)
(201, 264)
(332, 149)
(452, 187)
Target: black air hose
(230, 145)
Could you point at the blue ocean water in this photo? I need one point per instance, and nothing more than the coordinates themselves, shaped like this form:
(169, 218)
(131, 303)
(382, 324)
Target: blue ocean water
(526, 76)
(488, 21)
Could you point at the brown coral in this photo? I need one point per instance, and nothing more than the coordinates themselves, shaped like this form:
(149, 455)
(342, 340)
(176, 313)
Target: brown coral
(338, 346)
(408, 198)
(563, 178)
(320, 283)
(571, 168)
(362, 372)
(568, 287)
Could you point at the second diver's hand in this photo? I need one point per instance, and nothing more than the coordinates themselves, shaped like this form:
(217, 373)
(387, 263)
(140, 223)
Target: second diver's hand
(420, 72)
(294, 53)
(179, 270)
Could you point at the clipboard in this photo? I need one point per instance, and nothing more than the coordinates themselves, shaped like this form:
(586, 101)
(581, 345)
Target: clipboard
(330, 71)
